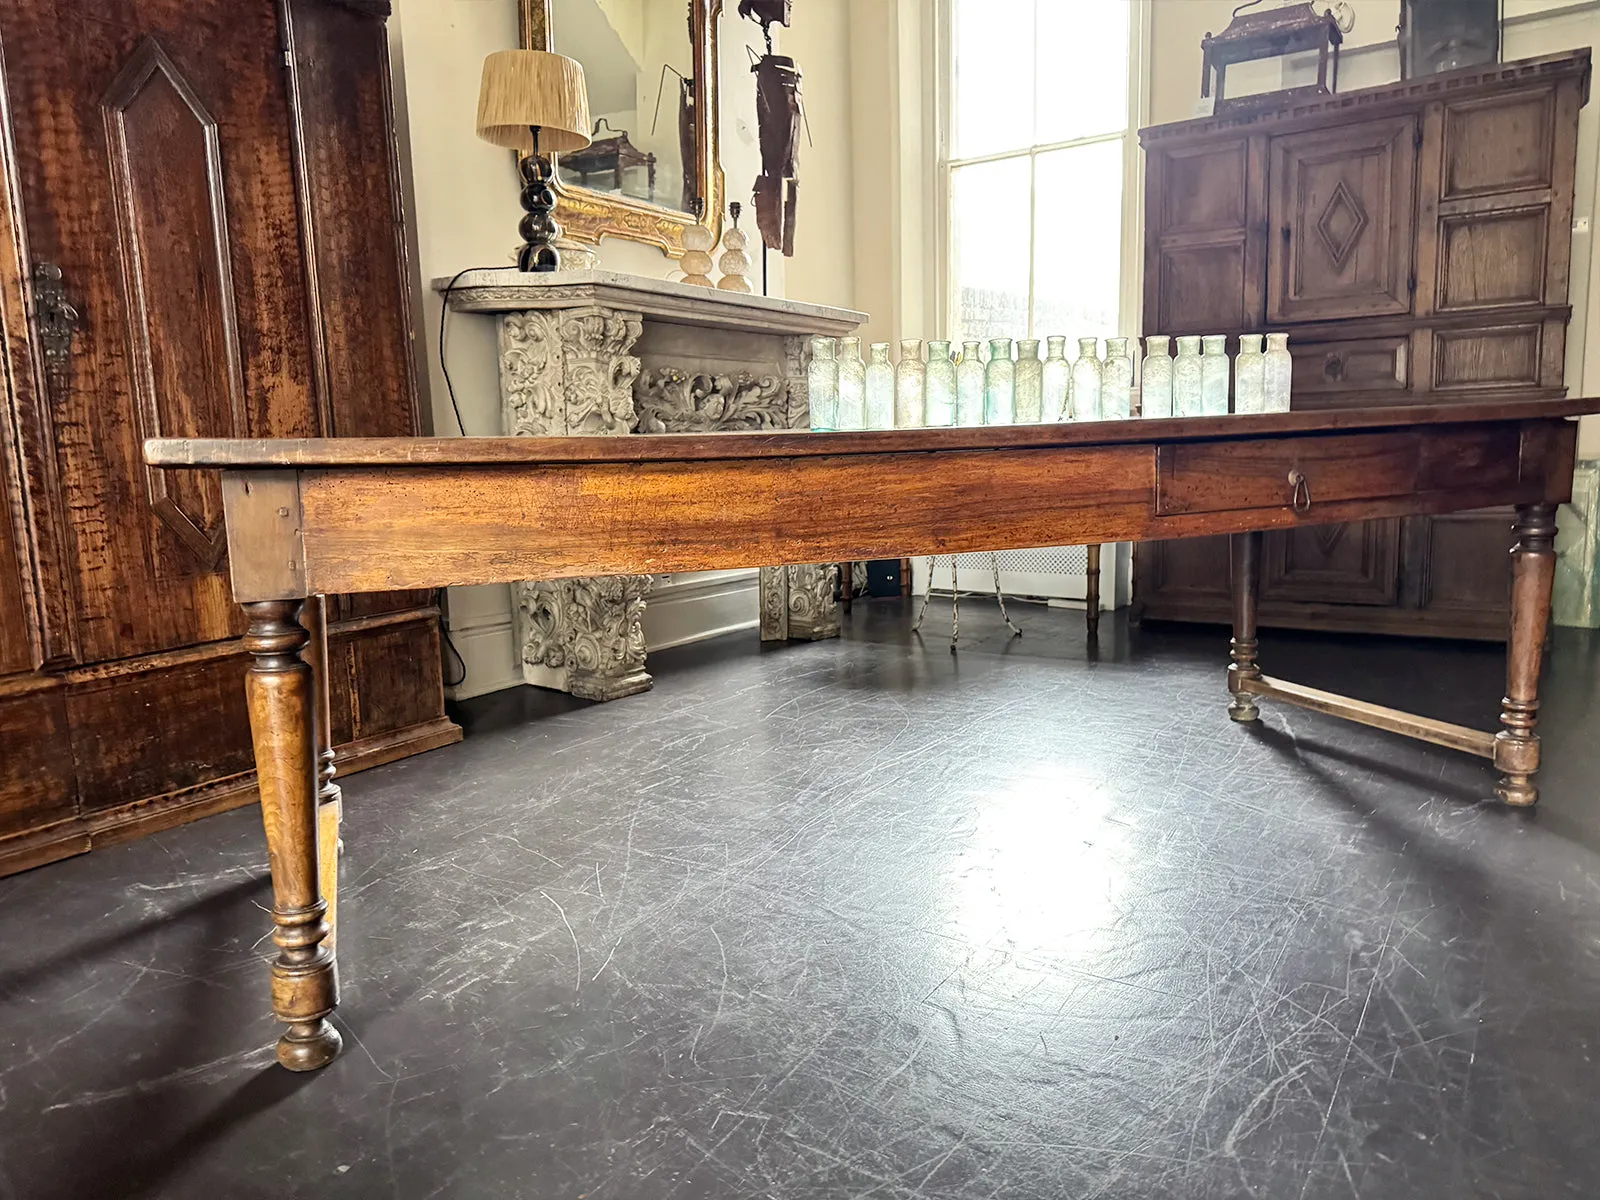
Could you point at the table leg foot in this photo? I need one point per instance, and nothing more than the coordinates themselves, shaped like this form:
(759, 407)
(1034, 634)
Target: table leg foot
(1533, 573)
(1244, 554)
(309, 1045)
(280, 693)
(1091, 591)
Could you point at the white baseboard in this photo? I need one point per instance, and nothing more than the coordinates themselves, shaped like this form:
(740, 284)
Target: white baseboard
(490, 655)
(703, 604)
(681, 609)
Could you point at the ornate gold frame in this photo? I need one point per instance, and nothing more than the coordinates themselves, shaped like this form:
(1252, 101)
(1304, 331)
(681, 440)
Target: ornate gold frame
(587, 215)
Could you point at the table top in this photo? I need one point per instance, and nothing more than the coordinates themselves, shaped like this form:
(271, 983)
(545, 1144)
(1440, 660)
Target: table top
(279, 453)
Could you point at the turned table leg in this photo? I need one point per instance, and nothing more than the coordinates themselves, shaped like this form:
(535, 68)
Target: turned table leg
(1533, 573)
(1244, 555)
(330, 800)
(1091, 594)
(281, 696)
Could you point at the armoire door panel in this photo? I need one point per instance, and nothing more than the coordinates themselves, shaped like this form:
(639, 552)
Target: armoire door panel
(1202, 287)
(1466, 360)
(1342, 212)
(1200, 204)
(1499, 143)
(16, 645)
(1357, 563)
(37, 784)
(1493, 259)
(166, 172)
(1205, 188)
(1461, 562)
(153, 155)
(1190, 569)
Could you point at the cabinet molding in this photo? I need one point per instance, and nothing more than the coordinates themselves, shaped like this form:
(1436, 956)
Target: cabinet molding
(1413, 241)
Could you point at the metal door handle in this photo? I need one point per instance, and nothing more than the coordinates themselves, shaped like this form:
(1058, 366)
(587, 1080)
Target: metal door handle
(1299, 491)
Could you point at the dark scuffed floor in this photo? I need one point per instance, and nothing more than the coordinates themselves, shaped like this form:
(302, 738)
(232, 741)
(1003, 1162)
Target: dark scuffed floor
(863, 919)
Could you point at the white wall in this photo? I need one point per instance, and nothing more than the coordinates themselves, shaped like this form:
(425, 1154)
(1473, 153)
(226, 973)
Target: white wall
(466, 214)
(824, 265)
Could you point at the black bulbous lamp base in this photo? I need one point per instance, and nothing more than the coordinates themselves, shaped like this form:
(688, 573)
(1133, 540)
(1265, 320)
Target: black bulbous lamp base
(538, 227)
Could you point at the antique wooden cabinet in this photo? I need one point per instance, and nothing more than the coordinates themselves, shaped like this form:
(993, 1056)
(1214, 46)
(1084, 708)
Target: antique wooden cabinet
(1413, 241)
(200, 234)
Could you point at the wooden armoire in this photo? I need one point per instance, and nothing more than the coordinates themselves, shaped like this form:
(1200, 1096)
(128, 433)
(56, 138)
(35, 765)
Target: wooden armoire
(1413, 241)
(201, 233)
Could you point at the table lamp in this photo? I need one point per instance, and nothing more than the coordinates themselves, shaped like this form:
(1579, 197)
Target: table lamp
(534, 101)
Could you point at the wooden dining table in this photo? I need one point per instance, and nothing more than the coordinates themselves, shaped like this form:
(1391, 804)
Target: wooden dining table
(307, 518)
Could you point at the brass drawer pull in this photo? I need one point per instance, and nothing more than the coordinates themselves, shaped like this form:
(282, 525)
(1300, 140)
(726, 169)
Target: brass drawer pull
(1299, 491)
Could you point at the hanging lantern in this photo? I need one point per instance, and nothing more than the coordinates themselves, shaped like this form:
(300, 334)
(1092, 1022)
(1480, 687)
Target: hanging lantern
(1446, 35)
(1272, 33)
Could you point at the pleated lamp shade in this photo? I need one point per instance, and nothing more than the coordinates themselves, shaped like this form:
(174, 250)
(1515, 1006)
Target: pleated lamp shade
(522, 88)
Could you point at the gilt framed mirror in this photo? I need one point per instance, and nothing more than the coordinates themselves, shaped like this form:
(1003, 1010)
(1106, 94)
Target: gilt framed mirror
(651, 70)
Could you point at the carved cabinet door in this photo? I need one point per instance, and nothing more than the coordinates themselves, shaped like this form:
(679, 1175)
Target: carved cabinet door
(153, 167)
(1342, 208)
(1203, 256)
(1356, 563)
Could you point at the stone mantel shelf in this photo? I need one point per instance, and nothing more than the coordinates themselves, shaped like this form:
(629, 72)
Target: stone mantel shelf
(598, 352)
(506, 289)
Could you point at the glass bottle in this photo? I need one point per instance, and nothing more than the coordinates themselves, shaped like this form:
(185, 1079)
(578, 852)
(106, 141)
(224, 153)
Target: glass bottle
(1214, 375)
(1279, 368)
(822, 384)
(969, 385)
(880, 387)
(1186, 378)
(1030, 383)
(1057, 381)
(1249, 376)
(852, 385)
(1155, 387)
(1116, 382)
(1086, 382)
(999, 384)
(910, 386)
(941, 389)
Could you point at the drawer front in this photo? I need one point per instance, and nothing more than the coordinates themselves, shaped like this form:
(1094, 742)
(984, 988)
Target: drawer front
(1361, 365)
(1300, 473)
(1212, 477)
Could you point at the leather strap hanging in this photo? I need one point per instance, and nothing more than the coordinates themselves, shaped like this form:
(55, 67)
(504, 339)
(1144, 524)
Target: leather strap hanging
(778, 118)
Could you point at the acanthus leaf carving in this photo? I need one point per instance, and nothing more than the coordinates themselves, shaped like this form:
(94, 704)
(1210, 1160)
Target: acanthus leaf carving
(598, 368)
(530, 375)
(813, 613)
(672, 400)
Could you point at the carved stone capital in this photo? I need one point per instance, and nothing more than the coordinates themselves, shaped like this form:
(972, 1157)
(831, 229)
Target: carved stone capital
(797, 366)
(797, 602)
(568, 371)
(598, 369)
(530, 375)
(591, 628)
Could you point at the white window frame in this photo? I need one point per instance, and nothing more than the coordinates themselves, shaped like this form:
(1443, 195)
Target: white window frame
(1131, 289)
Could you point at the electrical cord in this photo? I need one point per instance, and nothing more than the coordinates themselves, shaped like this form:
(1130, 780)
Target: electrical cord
(444, 361)
(444, 630)
(461, 428)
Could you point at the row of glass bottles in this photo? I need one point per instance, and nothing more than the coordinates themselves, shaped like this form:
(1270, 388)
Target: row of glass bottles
(847, 393)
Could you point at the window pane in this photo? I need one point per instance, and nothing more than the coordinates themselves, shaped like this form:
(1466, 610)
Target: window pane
(989, 249)
(1083, 69)
(992, 94)
(1078, 241)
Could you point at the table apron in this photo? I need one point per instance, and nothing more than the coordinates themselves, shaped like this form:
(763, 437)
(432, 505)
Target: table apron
(360, 528)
